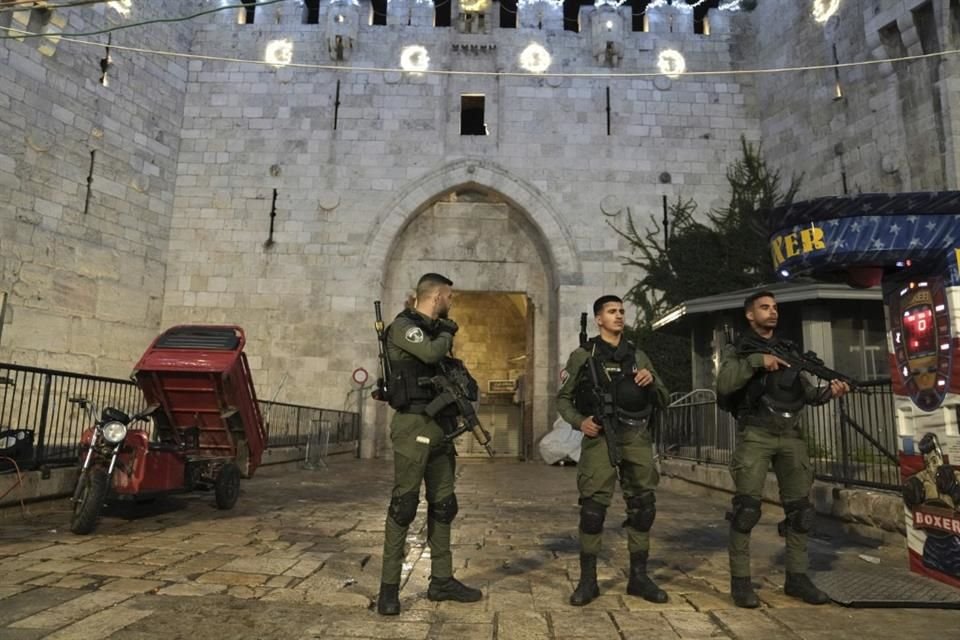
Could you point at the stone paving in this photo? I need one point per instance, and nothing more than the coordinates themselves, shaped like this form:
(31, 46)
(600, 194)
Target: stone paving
(299, 558)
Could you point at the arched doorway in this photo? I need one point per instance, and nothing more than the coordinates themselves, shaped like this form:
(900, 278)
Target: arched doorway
(501, 242)
(504, 293)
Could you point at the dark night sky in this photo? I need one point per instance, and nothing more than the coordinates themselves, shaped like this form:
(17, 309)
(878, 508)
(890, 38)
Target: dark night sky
(508, 11)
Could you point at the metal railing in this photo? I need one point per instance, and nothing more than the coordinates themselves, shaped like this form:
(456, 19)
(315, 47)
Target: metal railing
(37, 400)
(852, 440)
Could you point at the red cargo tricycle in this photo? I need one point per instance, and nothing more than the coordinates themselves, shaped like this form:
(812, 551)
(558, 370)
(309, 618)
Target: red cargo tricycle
(207, 430)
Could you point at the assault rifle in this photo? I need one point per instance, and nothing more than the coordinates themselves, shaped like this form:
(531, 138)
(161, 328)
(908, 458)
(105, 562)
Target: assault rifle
(605, 407)
(381, 390)
(790, 353)
(457, 387)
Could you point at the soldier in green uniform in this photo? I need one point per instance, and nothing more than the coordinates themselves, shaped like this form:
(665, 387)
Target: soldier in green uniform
(417, 340)
(625, 372)
(767, 397)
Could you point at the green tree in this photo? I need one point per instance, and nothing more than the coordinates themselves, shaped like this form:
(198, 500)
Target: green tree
(726, 252)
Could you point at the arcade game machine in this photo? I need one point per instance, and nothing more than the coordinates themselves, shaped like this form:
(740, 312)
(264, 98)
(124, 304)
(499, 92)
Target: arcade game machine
(909, 244)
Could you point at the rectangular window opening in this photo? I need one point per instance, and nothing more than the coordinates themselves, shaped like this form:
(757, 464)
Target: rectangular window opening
(378, 13)
(441, 14)
(472, 121)
(955, 22)
(248, 13)
(311, 11)
(926, 23)
(508, 14)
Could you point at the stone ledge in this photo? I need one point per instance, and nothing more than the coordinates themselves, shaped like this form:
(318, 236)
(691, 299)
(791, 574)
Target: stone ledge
(873, 515)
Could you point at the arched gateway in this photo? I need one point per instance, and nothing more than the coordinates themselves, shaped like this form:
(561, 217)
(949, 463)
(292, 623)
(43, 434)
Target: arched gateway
(509, 255)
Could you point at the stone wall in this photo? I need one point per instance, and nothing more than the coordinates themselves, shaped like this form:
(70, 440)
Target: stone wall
(894, 128)
(352, 158)
(86, 273)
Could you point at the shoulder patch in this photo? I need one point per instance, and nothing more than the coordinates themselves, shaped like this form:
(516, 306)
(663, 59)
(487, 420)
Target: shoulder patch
(564, 376)
(414, 335)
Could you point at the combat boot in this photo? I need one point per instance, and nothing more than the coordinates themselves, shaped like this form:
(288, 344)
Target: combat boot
(587, 589)
(741, 590)
(452, 589)
(798, 585)
(388, 602)
(640, 583)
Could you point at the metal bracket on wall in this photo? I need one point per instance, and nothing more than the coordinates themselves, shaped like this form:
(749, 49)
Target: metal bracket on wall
(3, 310)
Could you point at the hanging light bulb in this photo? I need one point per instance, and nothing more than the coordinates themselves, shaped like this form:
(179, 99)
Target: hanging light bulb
(414, 59)
(671, 63)
(823, 10)
(535, 58)
(279, 53)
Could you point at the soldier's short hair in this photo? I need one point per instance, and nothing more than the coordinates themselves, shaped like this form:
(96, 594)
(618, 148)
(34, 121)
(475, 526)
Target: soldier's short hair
(602, 300)
(430, 281)
(753, 297)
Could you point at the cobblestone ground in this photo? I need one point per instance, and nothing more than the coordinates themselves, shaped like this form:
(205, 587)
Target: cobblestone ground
(299, 558)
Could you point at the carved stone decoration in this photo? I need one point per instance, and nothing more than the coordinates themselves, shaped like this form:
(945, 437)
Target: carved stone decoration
(343, 26)
(606, 31)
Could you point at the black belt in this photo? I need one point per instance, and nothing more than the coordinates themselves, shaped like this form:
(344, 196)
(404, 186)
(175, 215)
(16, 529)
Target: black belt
(633, 423)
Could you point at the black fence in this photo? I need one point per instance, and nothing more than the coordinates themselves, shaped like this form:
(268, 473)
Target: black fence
(852, 440)
(35, 403)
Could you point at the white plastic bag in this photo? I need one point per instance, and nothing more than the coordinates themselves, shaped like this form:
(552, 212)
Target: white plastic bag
(562, 443)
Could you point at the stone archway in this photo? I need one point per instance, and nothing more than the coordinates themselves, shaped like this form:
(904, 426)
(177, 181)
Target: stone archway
(490, 233)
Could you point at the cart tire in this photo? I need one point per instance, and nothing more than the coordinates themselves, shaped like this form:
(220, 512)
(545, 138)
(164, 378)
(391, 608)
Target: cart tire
(90, 495)
(227, 486)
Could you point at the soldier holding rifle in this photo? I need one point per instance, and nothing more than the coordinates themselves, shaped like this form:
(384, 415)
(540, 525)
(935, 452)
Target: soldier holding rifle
(427, 388)
(760, 382)
(609, 392)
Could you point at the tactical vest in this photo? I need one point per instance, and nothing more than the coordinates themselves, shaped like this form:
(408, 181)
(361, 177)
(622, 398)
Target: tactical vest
(616, 368)
(408, 385)
(780, 392)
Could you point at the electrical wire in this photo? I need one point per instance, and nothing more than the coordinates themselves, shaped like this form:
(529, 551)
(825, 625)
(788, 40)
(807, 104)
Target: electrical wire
(520, 74)
(259, 3)
(20, 5)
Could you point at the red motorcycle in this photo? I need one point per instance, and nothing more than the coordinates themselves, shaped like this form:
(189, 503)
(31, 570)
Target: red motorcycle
(204, 428)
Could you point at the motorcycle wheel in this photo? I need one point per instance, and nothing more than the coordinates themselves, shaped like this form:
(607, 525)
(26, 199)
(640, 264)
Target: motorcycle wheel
(227, 486)
(91, 493)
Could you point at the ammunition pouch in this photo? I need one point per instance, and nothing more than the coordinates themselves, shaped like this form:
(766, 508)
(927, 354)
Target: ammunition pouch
(406, 384)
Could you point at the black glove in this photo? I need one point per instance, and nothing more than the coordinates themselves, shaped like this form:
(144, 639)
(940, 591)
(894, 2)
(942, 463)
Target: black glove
(947, 481)
(446, 325)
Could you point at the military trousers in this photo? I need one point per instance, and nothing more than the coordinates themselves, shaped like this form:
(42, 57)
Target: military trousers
(420, 456)
(597, 479)
(756, 450)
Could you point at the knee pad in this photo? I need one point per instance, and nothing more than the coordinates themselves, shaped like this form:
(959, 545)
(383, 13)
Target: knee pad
(745, 515)
(592, 515)
(403, 509)
(800, 514)
(444, 511)
(641, 511)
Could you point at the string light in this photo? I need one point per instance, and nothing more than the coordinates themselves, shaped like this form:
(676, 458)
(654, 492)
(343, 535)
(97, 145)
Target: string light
(414, 59)
(558, 4)
(18, 33)
(121, 6)
(474, 6)
(610, 3)
(823, 10)
(279, 53)
(733, 5)
(671, 63)
(535, 58)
